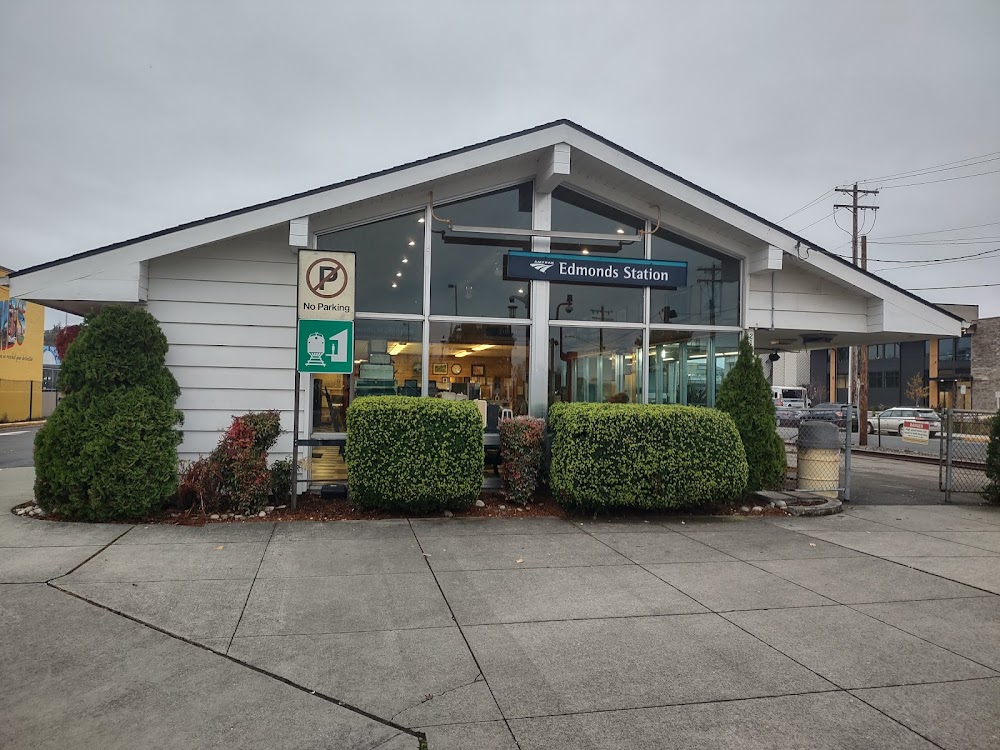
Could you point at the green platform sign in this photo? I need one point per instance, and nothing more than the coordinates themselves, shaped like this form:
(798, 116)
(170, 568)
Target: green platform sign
(326, 346)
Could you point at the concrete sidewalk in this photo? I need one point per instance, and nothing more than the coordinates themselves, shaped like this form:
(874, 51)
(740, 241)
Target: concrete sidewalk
(877, 628)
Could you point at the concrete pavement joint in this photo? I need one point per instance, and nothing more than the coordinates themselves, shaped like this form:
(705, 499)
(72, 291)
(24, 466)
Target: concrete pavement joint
(250, 590)
(302, 688)
(80, 565)
(472, 653)
(479, 678)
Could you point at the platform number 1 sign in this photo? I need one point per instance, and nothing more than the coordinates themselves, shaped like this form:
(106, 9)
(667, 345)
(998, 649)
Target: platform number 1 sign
(326, 346)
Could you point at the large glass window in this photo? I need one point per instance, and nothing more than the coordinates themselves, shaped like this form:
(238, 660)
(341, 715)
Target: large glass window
(595, 364)
(712, 294)
(688, 368)
(946, 349)
(482, 362)
(573, 212)
(390, 262)
(467, 270)
(963, 348)
(387, 355)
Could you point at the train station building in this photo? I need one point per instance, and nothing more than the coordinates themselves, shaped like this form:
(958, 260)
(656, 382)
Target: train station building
(546, 265)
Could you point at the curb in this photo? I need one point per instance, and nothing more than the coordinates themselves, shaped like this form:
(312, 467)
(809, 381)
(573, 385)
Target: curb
(20, 425)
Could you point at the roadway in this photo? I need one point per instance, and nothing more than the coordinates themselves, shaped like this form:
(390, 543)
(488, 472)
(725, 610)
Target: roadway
(17, 446)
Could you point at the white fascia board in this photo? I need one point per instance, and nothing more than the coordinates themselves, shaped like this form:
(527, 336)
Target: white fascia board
(124, 283)
(266, 216)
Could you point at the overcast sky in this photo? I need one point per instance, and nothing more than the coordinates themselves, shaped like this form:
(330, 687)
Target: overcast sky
(121, 118)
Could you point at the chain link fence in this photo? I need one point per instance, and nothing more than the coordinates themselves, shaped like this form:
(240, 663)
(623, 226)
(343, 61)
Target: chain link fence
(962, 467)
(817, 450)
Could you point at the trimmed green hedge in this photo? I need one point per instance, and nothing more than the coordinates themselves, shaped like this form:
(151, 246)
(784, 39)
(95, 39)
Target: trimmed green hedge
(644, 456)
(418, 454)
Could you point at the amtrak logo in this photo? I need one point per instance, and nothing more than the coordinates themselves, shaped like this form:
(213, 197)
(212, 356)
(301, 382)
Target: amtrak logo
(542, 265)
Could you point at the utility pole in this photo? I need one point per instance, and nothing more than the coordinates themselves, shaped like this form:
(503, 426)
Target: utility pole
(853, 384)
(863, 367)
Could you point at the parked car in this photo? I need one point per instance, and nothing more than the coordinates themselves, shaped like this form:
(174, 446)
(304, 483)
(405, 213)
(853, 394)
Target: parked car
(891, 420)
(788, 416)
(833, 413)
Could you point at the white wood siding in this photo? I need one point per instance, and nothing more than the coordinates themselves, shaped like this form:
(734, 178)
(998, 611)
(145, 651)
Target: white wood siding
(228, 311)
(805, 301)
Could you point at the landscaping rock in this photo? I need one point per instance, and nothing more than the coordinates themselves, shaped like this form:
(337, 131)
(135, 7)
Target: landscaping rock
(756, 509)
(262, 514)
(503, 507)
(744, 509)
(480, 504)
(214, 516)
(269, 509)
(448, 514)
(282, 507)
(781, 504)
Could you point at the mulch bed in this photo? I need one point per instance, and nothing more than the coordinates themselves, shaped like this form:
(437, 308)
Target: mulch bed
(312, 507)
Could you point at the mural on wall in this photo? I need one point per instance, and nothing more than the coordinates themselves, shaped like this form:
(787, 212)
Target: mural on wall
(13, 323)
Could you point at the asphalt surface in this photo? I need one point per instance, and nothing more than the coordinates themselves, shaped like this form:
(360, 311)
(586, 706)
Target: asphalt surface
(16, 447)
(874, 628)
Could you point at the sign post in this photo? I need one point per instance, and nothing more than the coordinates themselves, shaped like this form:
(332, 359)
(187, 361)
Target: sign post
(325, 326)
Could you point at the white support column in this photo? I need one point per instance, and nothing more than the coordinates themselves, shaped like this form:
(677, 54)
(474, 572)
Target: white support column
(425, 351)
(538, 352)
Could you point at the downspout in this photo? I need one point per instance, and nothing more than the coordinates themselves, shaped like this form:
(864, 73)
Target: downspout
(772, 300)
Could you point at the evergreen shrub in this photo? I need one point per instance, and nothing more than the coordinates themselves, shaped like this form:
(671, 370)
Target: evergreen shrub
(746, 397)
(417, 454)
(522, 445)
(645, 456)
(992, 491)
(109, 450)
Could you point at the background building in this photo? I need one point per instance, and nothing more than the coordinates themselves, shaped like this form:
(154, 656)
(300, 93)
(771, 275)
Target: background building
(21, 331)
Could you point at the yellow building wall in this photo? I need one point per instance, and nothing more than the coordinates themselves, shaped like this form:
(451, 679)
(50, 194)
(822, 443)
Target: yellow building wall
(22, 330)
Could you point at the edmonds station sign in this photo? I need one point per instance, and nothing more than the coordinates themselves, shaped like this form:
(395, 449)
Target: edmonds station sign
(584, 269)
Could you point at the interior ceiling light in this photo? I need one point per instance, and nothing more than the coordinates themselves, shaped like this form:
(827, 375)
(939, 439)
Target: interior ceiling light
(620, 230)
(399, 273)
(405, 259)
(394, 285)
(586, 251)
(482, 347)
(411, 243)
(396, 348)
(520, 291)
(462, 353)
(420, 220)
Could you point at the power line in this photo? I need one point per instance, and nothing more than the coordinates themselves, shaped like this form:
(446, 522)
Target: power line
(936, 231)
(959, 163)
(827, 216)
(808, 205)
(936, 243)
(946, 179)
(961, 286)
(930, 260)
(938, 263)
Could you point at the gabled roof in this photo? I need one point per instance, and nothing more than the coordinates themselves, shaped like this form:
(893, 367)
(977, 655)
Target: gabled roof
(482, 145)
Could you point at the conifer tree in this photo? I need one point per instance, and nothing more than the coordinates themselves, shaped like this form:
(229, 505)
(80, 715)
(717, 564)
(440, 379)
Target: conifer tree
(746, 396)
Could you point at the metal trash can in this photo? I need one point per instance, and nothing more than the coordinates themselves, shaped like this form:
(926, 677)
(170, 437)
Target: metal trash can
(819, 458)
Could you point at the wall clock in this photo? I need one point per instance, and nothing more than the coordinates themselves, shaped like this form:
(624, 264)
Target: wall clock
(456, 369)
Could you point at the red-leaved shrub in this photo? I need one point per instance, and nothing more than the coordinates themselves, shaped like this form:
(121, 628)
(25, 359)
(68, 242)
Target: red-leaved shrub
(522, 445)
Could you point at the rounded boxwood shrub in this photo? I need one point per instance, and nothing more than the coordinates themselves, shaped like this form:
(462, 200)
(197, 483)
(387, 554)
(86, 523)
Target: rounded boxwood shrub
(644, 456)
(410, 453)
(109, 450)
(746, 396)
